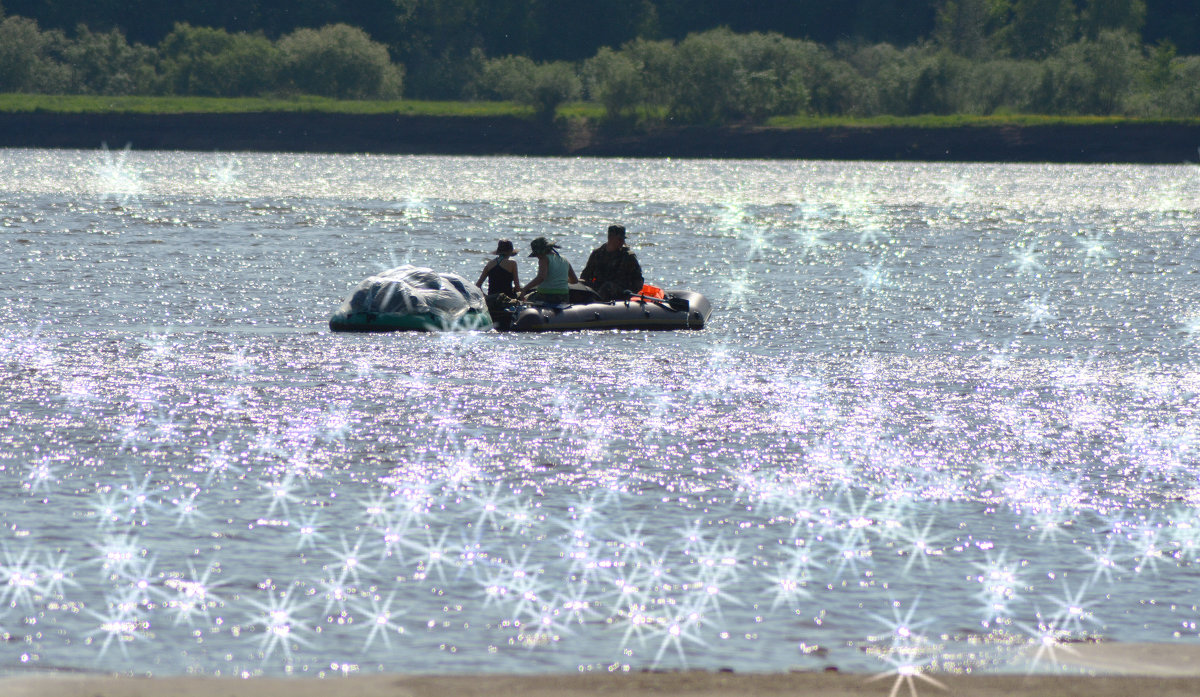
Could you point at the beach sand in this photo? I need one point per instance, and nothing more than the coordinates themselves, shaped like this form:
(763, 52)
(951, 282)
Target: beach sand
(1116, 670)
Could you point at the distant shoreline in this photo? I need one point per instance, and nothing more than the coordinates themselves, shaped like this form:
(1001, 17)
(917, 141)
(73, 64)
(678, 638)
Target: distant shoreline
(318, 132)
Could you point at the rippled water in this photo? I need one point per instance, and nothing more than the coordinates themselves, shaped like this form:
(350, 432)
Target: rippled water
(942, 414)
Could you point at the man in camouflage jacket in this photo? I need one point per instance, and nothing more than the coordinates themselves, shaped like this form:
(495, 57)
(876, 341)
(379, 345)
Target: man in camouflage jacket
(612, 270)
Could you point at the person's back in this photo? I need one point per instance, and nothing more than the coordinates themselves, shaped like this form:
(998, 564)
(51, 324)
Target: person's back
(501, 275)
(501, 280)
(556, 276)
(612, 270)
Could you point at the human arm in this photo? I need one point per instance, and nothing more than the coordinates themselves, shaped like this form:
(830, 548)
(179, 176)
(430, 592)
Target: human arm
(486, 267)
(633, 274)
(516, 278)
(543, 269)
(591, 267)
(571, 277)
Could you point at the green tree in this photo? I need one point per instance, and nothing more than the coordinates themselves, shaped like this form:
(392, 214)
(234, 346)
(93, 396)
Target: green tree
(26, 57)
(508, 77)
(998, 85)
(212, 62)
(1162, 65)
(1040, 27)
(437, 41)
(554, 83)
(938, 87)
(968, 27)
(21, 47)
(775, 68)
(655, 62)
(339, 61)
(543, 86)
(1117, 15)
(614, 80)
(708, 78)
(105, 63)
(1091, 76)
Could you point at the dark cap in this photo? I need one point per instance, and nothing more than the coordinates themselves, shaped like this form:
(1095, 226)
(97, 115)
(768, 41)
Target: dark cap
(505, 248)
(541, 246)
(618, 230)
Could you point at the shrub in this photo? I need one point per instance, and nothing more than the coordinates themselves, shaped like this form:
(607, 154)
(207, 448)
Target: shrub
(1169, 91)
(938, 88)
(720, 76)
(613, 79)
(836, 88)
(1090, 76)
(998, 85)
(654, 62)
(105, 63)
(708, 79)
(340, 61)
(554, 84)
(509, 77)
(212, 62)
(542, 86)
(775, 68)
(26, 63)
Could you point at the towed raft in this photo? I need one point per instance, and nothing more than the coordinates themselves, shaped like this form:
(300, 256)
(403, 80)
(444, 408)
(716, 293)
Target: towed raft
(411, 298)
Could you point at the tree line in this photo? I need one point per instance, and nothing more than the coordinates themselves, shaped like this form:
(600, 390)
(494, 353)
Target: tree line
(951, 56)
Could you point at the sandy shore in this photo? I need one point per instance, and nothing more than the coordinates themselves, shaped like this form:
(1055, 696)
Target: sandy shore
(692, 684)
(1117, 670)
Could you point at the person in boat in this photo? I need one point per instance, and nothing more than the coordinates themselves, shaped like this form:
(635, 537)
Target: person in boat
(502, 277)
(612, 270)
(554, 273)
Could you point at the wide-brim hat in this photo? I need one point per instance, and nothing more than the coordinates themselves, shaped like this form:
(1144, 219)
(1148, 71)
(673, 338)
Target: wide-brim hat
(541, 246)
(505, 248)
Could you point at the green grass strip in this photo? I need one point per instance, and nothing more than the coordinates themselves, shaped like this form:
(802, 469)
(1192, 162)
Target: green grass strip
(964, 120)
(97, 104)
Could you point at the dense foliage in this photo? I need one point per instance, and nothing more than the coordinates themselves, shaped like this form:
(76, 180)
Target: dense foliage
(691, 61)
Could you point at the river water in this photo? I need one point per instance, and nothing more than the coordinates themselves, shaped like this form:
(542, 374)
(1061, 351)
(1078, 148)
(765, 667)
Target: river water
(943, 417)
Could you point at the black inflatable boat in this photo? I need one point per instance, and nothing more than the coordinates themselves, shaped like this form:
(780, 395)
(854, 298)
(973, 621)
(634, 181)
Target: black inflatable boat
(678, 309)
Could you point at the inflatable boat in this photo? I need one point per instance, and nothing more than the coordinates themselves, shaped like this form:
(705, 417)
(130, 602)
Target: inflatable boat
(655, 309)
(412, 298)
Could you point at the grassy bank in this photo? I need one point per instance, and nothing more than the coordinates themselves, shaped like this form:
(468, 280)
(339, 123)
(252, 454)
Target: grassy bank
(964, 120)
(96, 104)
(499, 128)
(164, 106)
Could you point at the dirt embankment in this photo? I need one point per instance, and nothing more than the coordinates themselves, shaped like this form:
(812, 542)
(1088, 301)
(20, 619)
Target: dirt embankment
(392, 134)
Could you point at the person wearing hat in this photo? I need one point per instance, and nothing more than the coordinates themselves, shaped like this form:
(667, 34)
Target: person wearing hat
(612, 270)
(554, 273)
(501, 272)
(501, 275)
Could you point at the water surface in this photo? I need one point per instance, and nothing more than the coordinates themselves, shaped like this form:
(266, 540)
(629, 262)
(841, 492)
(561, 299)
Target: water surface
(941, 414)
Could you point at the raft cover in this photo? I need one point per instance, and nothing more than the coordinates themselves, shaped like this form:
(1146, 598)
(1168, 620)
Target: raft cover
(412, 298)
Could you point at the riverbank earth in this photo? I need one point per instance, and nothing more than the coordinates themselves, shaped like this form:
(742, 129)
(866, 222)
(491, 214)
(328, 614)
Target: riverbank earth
(317, 132)
(1106, 669)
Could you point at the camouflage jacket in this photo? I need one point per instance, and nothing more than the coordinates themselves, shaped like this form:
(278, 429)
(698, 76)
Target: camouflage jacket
(613, 273)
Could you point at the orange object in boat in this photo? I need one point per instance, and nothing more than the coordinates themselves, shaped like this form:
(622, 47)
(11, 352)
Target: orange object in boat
(652, 292)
